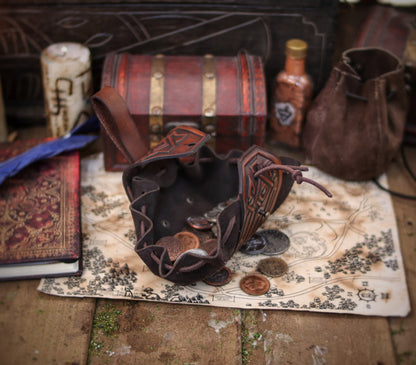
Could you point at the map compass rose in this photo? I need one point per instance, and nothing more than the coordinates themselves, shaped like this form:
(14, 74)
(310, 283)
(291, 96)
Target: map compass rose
(367, 295)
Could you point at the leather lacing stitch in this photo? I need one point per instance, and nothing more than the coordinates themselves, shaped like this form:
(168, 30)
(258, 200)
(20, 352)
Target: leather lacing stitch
(296, 173)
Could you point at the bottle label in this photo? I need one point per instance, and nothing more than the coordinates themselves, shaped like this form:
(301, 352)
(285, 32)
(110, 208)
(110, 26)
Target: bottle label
(285, 113)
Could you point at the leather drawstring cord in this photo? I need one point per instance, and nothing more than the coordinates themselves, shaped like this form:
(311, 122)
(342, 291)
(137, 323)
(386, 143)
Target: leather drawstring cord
(142, 227)
(296, 172)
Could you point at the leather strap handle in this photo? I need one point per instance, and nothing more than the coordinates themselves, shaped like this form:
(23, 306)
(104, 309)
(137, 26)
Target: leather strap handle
(116, 120)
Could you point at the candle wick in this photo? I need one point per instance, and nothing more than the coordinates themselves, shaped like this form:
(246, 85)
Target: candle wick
(64, 50)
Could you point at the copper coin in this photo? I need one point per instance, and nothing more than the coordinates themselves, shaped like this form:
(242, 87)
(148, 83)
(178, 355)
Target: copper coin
(188, 239)
(209, 245)
(201, 234)
(173, 245)
(200, 223)
(220, 278)
(276, 242)
(273, 266)
(255, 284)
(254, 246)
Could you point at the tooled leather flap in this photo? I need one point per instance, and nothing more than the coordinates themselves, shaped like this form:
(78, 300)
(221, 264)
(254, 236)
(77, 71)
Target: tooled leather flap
(258, 194)
(179, 142)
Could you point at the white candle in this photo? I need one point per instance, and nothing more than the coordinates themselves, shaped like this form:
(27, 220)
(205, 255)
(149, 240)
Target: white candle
(67, 83)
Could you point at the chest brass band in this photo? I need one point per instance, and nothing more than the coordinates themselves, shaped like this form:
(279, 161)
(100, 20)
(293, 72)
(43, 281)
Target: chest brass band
(209, 94)
(156, 102)
(157, 89)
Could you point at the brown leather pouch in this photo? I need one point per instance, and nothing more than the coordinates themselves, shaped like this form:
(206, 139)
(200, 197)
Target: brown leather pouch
(182, 177)
(355, 126)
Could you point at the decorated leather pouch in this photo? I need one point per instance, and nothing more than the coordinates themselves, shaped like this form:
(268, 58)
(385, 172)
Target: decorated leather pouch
(179, 181)
(173, 187)
(355, 126)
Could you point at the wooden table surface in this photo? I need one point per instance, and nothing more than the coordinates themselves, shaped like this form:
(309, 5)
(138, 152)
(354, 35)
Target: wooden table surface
(43, 329)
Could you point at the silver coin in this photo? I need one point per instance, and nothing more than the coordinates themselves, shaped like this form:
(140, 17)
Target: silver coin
(226, 203)
(214, 231)
(217, 209)
(254, 246)
(195, 251)
(211, 216)
(199, 223)
(222, 206)
(276, 242)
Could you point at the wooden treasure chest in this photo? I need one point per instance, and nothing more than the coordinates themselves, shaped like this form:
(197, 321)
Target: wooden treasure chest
(222, 96)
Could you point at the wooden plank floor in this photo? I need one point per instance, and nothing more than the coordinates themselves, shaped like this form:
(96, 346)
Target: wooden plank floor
(403, 330)
(38, 328)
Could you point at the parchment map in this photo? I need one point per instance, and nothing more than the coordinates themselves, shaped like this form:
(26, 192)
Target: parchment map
(344, 255)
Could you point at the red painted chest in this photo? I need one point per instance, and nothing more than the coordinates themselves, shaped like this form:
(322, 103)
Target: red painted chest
(223, 96)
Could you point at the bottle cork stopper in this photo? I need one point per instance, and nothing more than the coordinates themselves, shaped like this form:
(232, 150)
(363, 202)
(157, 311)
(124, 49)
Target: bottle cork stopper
(296, 48)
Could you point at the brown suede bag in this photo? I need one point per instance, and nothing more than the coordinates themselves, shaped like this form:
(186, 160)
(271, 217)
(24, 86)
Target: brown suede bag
(355, 126)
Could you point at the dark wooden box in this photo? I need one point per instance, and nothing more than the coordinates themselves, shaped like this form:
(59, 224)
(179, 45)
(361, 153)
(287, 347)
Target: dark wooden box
(219, 27)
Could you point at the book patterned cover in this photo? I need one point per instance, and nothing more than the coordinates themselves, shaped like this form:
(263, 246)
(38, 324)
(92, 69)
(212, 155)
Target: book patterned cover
(40, 209)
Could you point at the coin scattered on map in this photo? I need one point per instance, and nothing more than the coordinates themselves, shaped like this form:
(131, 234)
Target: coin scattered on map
(276, 242)
(273, 266)
(254, 246)
(220, 278)
(173, 245)
(255, 284)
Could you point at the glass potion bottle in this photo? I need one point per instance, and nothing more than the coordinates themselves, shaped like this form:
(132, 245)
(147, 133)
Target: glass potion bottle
(292, 96)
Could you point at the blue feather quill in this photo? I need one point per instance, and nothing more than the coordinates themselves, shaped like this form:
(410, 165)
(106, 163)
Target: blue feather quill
(76, 139)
